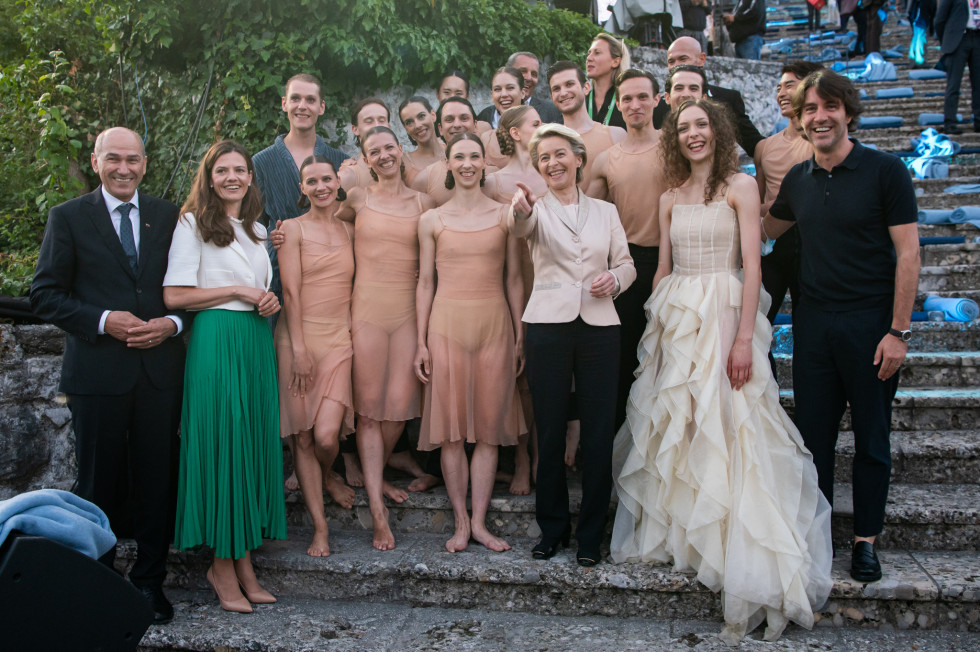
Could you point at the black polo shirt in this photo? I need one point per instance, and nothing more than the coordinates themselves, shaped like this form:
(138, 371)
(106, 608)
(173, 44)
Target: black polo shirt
(848, 258)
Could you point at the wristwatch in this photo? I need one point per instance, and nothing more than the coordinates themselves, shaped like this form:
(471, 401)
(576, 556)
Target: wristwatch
(905, 336)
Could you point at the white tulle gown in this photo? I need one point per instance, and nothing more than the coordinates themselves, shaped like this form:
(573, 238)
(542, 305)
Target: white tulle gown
(713, 479)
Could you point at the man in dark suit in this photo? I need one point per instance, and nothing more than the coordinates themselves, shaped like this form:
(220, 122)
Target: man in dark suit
(686, 50)
(957, 24)
(99, 277)
(530, 67)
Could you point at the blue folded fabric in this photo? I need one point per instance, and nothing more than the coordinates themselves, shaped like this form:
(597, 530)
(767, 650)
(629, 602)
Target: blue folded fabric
(926, 119)
(932, 143)
(879, 121)
(935, 215)
(941, 240)
(863, 94)
(954, 309)
(877, 69)
(897, 91)
(963, 189)
(782, 318)
(60, 516)
(926, 167)
(966, 215)
(919, 315)
(893, 53)
(927, 73)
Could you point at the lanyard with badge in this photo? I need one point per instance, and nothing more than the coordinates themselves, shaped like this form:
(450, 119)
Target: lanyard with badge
(591, 98)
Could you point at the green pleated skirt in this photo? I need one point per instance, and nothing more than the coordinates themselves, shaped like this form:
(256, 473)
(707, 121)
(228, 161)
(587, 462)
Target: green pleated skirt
(230, 493)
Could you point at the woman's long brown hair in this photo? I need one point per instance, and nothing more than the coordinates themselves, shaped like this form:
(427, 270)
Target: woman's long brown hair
(208, 209)
(677, 169)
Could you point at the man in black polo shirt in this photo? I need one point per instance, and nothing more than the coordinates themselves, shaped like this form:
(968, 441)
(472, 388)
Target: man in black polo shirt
(859, 270)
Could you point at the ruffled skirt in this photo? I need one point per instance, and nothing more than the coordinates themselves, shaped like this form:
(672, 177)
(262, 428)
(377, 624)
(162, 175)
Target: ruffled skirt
(717, 480)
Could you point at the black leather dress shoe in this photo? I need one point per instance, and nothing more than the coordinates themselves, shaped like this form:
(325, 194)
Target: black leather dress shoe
(587, 559)
(865, 566)
(163, 611)
(952, 130)
(547, 549)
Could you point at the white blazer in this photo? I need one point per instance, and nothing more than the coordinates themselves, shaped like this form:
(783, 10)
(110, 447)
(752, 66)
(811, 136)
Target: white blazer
(567, 257)
(195, 263)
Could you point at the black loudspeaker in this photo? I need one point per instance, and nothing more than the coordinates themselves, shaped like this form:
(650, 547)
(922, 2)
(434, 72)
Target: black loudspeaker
(55, 598)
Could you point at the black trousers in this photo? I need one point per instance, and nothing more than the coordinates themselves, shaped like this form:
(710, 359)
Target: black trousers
(557, 353)
(633, 320)
(124, 445)
(967, 53)
(832, 368)
(781, 272)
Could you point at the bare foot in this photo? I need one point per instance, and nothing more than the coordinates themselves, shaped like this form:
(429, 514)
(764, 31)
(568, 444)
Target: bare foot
(571, 442)
(338, 489)
(521, 484)
(355, 476)
(383, 538)
(461, 539)
(423, 483)
(394, 493)
(320, 547)
(482, 535)
(292, 483)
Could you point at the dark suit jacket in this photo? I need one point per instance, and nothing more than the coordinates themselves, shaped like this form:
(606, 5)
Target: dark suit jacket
(745, 132)
(950, 23)
(548, 112)
(83, 271)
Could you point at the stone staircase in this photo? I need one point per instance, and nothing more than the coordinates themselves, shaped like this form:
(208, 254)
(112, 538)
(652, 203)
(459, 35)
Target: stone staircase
(930, 548)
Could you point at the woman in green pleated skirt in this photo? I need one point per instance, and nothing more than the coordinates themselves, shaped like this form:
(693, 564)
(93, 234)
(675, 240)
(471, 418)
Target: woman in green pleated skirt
(230, 494)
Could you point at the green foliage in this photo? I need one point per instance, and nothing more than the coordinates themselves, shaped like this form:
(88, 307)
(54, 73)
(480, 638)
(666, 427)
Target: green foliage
(147, 64)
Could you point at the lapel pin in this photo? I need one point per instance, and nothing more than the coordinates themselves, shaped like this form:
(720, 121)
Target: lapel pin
(147, 225)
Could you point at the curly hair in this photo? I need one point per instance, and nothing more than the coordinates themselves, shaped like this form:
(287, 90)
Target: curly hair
(513, 117)
(677, 169)
(205, 205)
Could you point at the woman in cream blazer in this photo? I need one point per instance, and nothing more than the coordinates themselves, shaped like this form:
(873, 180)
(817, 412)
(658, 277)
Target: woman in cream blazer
(230, 488)
(581, 261)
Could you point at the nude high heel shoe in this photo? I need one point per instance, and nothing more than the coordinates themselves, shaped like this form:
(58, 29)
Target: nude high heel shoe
(239, 605)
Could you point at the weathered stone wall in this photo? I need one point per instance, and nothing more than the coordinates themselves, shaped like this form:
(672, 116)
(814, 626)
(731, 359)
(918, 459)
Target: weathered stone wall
(756, 80)
(36, 443)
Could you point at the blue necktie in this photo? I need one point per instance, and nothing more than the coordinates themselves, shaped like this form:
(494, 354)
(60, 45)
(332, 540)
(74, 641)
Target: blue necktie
(126, 235)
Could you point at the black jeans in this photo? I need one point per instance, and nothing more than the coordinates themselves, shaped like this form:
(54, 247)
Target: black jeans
(832, 368)
(557, 353)
(633, 320)
(968, 53)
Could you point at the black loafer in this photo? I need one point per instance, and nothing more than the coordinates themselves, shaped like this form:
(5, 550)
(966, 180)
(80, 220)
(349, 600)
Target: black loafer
(587, 560)
(163, 611)
(865, 566)
(547, 549)
(952, 130)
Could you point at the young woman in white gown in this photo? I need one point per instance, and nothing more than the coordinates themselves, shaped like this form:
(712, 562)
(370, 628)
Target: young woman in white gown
(711, 473)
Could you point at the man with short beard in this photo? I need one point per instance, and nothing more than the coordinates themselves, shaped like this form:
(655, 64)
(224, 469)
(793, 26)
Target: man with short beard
(569, 87)
(629, 174)
(859, 271)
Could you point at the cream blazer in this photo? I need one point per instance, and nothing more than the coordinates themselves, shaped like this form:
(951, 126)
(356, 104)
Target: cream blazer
(195, 263)
(567, 257)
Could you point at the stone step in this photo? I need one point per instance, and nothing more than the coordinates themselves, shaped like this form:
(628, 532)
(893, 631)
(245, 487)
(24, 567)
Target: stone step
(922, 408)
(955, 254)
(920, 589)
(949, 278)
(932, 369)
(968, 231)
(926, 337)
(303, 624)
(922, 457)
(918, 516)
